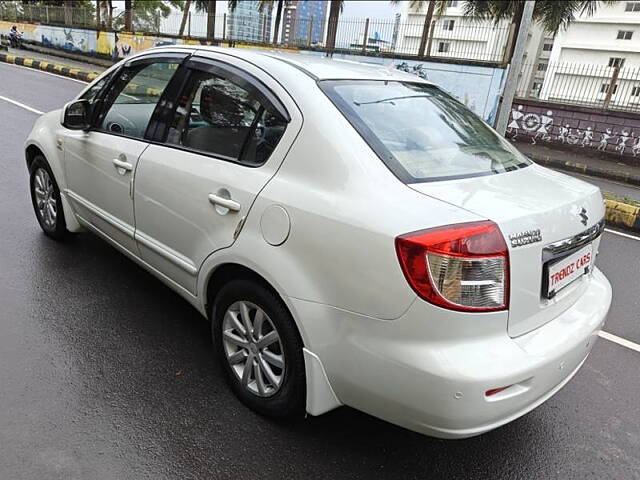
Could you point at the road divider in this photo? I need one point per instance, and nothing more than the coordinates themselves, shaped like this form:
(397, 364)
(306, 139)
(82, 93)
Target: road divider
(622, 212)
(57, 68)
(609, 174)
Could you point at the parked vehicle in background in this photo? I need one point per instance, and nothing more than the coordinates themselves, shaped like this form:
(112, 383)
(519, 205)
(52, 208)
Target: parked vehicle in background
(355, 235)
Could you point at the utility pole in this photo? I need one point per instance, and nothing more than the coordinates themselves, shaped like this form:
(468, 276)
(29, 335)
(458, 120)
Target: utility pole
(515, 66)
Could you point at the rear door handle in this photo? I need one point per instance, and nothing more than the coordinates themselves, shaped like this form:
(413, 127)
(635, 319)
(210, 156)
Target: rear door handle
(224, 202)
(120, 164)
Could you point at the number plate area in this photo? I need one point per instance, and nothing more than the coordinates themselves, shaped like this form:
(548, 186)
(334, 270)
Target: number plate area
(563, 272)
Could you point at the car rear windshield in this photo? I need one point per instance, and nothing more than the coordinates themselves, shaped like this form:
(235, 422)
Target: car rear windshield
(421, 133)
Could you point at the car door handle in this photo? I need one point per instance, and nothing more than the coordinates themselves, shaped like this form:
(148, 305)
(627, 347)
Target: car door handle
(224, 202)
(122, 164)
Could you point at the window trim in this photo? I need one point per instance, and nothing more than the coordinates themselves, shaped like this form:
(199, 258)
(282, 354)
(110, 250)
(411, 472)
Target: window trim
(168, 57)
(226, 70)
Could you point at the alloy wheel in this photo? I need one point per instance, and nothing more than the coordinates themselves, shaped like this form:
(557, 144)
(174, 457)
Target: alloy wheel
(253, 348)
(46, 202)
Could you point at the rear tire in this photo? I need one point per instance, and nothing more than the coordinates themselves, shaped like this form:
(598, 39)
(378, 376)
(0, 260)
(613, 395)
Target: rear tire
(260, 349)
(46, 200)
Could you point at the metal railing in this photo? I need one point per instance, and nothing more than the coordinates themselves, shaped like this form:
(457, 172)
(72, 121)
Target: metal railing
(598, 86)
(458, 39)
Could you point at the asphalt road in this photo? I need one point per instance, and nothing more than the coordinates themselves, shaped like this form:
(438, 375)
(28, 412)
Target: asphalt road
(105, 373)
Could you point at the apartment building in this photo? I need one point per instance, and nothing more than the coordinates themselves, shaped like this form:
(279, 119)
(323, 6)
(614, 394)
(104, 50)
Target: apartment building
(597, 57)
(304, 22)
(248, 24)
(453, 35)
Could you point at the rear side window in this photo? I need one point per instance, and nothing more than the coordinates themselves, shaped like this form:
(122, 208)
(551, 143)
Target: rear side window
(226, 119)
(421, 133)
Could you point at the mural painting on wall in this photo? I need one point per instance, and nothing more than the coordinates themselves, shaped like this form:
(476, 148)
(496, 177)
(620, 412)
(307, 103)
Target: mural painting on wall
(599, 135)
(78, 40)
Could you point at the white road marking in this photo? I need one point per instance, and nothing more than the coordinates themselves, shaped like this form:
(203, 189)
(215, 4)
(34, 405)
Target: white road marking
(46, 73)
(626, 235)
(619, 340)
(21, 105)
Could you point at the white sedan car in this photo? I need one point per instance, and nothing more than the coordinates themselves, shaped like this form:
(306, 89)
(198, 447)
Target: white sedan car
(355, 235)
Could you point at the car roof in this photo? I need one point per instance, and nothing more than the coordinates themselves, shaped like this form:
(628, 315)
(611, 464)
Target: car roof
(316, 66)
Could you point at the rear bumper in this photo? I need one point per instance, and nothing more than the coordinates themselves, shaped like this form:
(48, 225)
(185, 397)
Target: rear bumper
(429, 370)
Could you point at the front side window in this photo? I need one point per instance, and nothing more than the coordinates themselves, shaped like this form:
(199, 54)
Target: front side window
(421, 133)
(227, 119)
(132, 98)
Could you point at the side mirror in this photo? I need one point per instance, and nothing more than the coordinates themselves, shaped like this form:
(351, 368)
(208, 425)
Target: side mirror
(76, 115)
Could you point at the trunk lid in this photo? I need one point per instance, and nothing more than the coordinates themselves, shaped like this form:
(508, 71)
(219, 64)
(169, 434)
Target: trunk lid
(528, 199)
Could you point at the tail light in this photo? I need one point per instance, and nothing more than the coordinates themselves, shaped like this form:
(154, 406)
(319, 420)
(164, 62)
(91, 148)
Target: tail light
(460, 267)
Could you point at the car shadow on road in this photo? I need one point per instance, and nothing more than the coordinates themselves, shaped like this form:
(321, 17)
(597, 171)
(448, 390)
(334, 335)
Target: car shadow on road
(143, 357)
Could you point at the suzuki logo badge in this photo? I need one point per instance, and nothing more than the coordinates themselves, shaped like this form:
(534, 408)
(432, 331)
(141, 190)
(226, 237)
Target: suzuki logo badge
(583, 216)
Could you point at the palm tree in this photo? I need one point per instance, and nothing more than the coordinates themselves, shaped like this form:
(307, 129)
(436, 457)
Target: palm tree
(208, 6)
(268, 4)
(128, 15)
(426, 29)
(335, 8)
(68, 12)
(185, 15)
(551, 14)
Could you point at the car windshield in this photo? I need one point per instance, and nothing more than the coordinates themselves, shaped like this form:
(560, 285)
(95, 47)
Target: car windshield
(420, 132)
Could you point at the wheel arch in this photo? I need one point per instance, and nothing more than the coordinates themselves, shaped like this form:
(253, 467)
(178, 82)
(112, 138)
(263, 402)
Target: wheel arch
(320, 396)
(31, 150)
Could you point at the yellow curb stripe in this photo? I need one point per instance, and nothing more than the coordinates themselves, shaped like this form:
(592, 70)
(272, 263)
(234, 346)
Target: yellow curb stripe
(44, 65)
(11, 59)
(74, 71)
(28, 62)
(620, 213)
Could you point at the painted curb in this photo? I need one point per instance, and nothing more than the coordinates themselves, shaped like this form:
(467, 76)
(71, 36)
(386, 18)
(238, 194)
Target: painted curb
(622, 215)
(586, 169)
(65, 71)
(49, 67)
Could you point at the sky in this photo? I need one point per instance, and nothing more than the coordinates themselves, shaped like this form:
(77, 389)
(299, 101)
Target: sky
(369, 8)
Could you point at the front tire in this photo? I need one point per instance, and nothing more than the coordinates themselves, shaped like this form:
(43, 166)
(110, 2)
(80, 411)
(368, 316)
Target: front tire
(46, 200)
(260, 349)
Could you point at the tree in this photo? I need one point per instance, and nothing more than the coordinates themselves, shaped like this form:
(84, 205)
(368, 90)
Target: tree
(148, 14)
(268, 4)
(128, 15)
(426, 29)
(68, 12)
(208, 6)
(551, 14)
(335, 8)
(185, 15)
